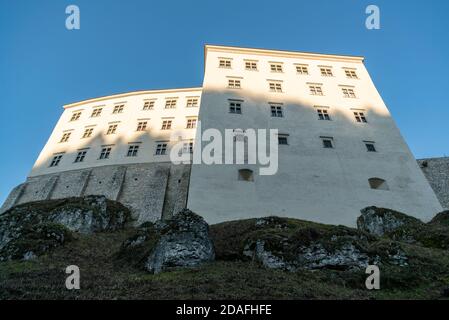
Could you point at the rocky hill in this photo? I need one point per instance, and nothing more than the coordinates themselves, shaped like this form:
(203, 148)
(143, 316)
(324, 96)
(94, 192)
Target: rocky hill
(184, 258)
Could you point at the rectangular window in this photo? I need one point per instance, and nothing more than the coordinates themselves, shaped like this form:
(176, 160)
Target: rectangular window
(88, 132)
(351, 74)
(132, 150)
(166, 125)
(251, 65)
(283, 139)
(148, 105)
(80, 156)
(96, 112)
(187, 147)
(191, 123)
(112, 129)
(348, 92)
(276, 67)
(224, 63)
(192, 102)
(234, 84)
(235, 107)
(161, 149)
(275, 86)
(105, 152)
(170, 103)
(276, 111)
(65, 137)
(75, 116)
(118, 109)
(327, 142)
(55, 161)
(326, 72)
(316, 90)
(323, 114)
(304, 70)
(370, 147)
(142, 125)
(360, 117)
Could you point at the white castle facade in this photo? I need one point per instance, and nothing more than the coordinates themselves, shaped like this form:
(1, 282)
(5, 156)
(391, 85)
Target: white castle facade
(339, 149)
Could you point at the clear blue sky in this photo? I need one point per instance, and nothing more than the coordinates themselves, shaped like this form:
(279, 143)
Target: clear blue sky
(131, 45)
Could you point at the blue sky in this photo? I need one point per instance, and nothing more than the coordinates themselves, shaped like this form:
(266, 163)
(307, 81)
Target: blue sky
(136, 44)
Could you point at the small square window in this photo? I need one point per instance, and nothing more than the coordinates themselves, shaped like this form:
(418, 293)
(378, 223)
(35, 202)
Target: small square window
(348, 92)
(275, 86)
(193, 102)
(112, 129)
(351, 74)
(370, 147)
(316, 90)
(251, 65)
(304, 70)
(235, 107)
(161, 149)
(191, 123)
(55, 161)
(148, 105)
(283, 140)
(276, 111)
(132, 150)
(96, 112)
(170, 103)
(65, 137)
(141, 126)
(88, 132)
(326, 72)
(323, 114)
(118, 109)
(75, 116)
(224, 63)
(360, 117)
(80, 156)
(105, 152)
(276, 67)
(166, 124)
(234, 84)
(327, 143)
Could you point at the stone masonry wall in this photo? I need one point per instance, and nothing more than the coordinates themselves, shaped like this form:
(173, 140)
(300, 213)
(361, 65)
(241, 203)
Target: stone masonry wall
(436, 171)
(151, 190)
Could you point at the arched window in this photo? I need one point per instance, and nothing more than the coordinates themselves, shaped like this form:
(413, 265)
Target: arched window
(246, 175)
(378, 184)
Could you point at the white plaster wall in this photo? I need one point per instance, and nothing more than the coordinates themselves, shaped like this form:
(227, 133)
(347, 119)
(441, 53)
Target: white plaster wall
(126, 131)
(313, 183)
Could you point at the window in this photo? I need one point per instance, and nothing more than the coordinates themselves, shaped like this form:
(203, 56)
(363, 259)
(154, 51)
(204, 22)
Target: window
(148, 105)
(360, 116)
(80, 156)
(141, 125)
(251, 65)
(118, 108)
(191, 123)
(276, 67)
(378, 184)
(234, 84)
(323, 114)
(275, 86)
(326, 72)
(112, 129)
(246, 175)
(302, 70)
(55, 161)
(170, 103)
(276, 111)
(105, 152)
(192, 102)
(96, 112)
(132, 150)
(88, 132)
(75, 116)
(161, 149)
(370, 147)
(187, 147)
(166, 125)
(224, 63)
(351, 74)
(348, 92)
(316, 90)
(327, 142)
(235, 107)
(65, 137)
(283, 139)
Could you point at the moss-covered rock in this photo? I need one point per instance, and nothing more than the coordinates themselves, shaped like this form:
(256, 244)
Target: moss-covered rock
(27, 225)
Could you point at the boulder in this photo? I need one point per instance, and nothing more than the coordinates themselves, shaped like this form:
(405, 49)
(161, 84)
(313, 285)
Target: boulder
(182, 241)
(36, 227)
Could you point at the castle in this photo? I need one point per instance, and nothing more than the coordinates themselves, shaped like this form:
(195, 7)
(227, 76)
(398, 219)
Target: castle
(339, 149)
